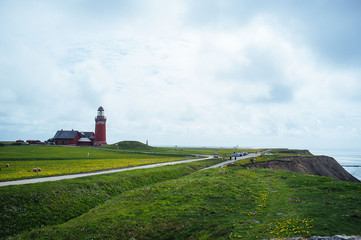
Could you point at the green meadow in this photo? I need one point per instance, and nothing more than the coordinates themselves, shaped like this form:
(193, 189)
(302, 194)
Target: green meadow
(222, 203)
(31, 206)
(136, 146)
(266, 158)
(45, 152)
(60, 160)
(222, 152)
(175, 202)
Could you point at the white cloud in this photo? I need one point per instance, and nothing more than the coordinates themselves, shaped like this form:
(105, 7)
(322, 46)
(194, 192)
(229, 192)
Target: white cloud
(161, 78)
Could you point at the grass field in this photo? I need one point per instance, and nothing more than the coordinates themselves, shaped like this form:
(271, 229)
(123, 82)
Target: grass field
(44, 152)
(59, 160)
(265, 158)
(172, 202)
(222, 152)
(228, 203)
(25, 207)
(137, 146)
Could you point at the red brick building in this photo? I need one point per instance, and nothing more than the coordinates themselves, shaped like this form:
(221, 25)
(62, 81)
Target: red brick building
(74, 137)
(66, 137)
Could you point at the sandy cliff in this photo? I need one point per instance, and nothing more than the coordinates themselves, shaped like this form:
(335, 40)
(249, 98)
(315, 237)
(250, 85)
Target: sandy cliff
(315, 165)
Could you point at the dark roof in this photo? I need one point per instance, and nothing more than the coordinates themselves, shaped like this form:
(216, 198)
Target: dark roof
(100, 108)
(64, 134)
(87, 134)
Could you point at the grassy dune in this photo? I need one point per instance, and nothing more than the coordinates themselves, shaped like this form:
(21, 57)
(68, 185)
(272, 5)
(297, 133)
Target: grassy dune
(228, 203)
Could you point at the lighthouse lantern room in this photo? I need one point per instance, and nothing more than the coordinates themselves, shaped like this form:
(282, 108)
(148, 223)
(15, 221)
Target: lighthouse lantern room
(100, 128)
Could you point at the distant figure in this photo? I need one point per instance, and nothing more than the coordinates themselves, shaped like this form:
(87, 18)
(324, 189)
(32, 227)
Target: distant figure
(88, 155)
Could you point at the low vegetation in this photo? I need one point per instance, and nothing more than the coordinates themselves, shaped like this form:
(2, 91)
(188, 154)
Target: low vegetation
(44, 152)
(136, 146)
(24, 207)
(24, 169)
(226, 203)
(179, 202)
(18, 162)
(129, 145)
(275, 154)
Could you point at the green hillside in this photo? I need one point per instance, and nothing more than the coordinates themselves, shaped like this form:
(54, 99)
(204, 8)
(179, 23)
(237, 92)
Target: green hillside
(175, 202)
(29, 206)
(43, 152)
(222, 203)
(178, 151)
(129, 145)
(60, 160)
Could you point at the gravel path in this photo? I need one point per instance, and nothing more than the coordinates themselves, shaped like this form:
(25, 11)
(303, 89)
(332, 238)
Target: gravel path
(336, 237)
(251, 155)
(56, 178)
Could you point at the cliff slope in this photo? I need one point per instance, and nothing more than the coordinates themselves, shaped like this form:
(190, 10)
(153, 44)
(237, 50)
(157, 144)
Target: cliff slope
(315, 165)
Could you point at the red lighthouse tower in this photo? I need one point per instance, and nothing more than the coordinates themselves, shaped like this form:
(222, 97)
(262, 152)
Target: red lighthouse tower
(100, 129)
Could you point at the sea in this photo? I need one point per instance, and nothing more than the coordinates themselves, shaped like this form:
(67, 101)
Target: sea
(349, 159)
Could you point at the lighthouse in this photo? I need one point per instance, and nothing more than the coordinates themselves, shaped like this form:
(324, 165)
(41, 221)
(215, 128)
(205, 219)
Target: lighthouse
(100, 128)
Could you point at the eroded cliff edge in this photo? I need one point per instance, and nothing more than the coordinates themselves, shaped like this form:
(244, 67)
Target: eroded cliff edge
(315, 165)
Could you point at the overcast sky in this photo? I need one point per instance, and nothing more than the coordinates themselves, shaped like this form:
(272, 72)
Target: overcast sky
(187, 73)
